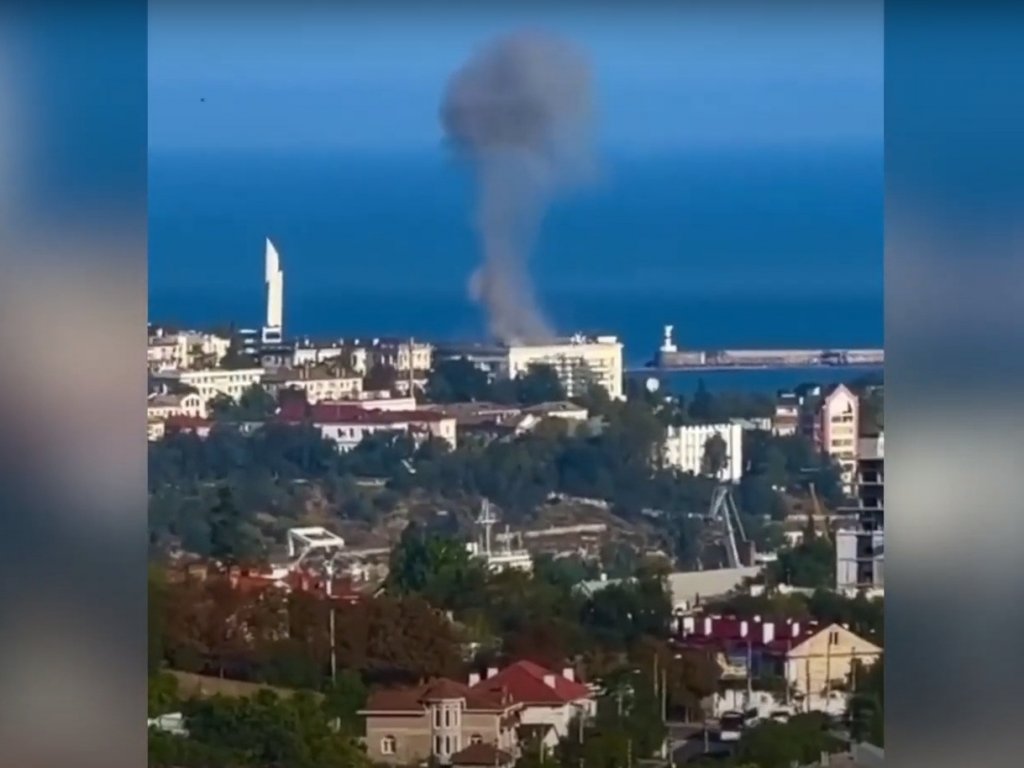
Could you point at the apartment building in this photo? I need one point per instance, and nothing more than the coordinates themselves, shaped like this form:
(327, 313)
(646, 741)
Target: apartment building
(182, 350)
(221, 381)
(837, 430)
(319, 383)
(160, 406)
(579, 361)
(400, 354)
(442, 720)
(684, 449)
(860, 546)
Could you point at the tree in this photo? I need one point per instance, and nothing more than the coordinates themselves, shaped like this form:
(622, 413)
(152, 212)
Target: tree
(540, 384)
(230, 540)
(380, 377)
(457, 380)
(344, 698)
(715, 455)
(702, 406)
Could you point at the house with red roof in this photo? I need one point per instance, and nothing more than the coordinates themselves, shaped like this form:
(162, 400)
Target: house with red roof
(815, 660)
(550, 701)
(443, 720)
(347, 423)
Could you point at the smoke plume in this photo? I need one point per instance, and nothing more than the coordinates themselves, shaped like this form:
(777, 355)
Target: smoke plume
(520, 111)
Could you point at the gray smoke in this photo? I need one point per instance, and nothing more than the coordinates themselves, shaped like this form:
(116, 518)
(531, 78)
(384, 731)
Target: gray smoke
(520, 111)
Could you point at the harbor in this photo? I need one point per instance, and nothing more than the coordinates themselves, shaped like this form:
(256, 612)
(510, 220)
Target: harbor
(670, 358)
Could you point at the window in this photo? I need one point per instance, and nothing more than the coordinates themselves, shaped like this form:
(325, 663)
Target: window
(437, 717)
(833, 638)
(447, 718)
(476, 738)
(447, 745)
(437, 746)
(388, 745)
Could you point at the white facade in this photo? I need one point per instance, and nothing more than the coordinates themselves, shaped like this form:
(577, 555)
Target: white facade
(160, 406)
(684, 448)
(274, 277)
(399, 355)
(579, 362)
(346, 435)
(320, 387)
(838, 428)
(220, 381)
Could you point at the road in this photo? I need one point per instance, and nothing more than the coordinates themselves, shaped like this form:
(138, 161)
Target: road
(687, 743)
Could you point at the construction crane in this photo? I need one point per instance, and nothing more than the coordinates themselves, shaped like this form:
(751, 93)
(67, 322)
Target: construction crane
(818, 514)
(723, 509)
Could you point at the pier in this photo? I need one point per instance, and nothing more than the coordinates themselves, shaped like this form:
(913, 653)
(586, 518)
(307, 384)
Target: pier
(671, 358)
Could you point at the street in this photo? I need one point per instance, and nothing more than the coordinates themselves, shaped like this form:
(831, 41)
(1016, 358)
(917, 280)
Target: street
(686, 742)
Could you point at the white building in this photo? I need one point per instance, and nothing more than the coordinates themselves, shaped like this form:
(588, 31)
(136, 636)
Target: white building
(400, 354)
(160, 406)
(579, 361)
(685, 445)
(274, 275)
(182, 350)
(318, 383)
(836, 430)
(221, 381)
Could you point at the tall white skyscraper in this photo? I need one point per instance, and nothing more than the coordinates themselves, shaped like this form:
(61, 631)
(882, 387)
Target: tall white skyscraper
(275, 296)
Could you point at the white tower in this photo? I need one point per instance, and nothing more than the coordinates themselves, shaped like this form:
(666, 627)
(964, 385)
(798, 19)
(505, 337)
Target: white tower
(275, 296)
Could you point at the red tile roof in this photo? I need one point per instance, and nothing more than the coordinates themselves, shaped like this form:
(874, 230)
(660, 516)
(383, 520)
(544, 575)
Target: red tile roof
(727, 632)
(524, 680)
(416, 698)
(481, 754)
(347, 413)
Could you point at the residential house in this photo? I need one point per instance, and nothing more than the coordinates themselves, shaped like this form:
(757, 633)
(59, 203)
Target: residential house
(550, 700)
(815, 661)
(347, 424)
(441, 720)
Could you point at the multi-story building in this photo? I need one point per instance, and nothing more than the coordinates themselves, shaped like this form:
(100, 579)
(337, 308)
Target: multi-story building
(549, 701)
(400, 354)
(182, 350)
(786, 420)
(827, 416)
(685, 447)
(162, 405)
(221, 381)
(348, 423)
(444, 721)
(580, 362)
(320, 383)
(860, 547)
(816, 661)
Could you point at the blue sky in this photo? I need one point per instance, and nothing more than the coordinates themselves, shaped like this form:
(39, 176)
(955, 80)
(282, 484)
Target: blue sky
(313, 78)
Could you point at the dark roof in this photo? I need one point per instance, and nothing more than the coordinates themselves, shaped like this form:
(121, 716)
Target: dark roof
(481, 754)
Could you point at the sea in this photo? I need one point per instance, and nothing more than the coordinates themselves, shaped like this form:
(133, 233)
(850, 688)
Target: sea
(735, 247)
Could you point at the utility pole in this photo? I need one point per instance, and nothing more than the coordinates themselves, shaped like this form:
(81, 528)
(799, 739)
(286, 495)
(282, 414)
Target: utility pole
(330, 600)
(750, 664)
(665, 750)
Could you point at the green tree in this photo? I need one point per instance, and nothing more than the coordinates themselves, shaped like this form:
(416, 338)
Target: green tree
(540, 384)
(715, 455)
(380, 378)
(230, 538)
(457, 380)
(344, 698)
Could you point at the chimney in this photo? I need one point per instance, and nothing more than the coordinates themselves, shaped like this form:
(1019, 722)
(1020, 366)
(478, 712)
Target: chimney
(549, 681)
(689, 625)
(707, 626)
(491, 672)
(794, 629)
(767, 632)
(569, 674)
(744, 628)
(474, 678)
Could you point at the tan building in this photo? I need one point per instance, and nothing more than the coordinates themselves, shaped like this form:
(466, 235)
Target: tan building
(444, 720)
(162, 406)
(836, 430)
(222, 381)
(823, 661)
(397, 354)
(580, 362)
(319, 384)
